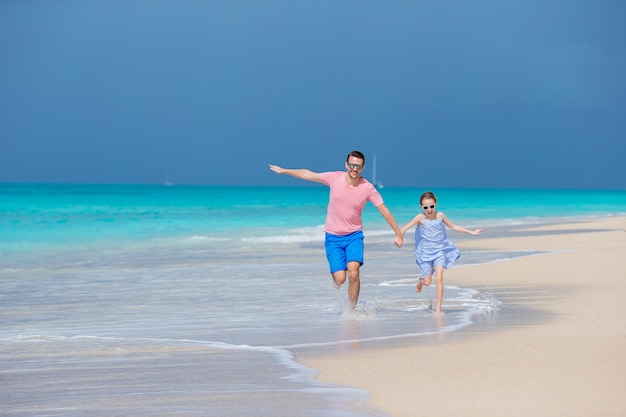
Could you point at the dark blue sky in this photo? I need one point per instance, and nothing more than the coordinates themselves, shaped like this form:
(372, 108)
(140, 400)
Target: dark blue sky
(446, 93)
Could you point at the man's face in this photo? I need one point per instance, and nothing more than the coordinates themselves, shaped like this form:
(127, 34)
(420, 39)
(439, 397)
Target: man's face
(354, 166)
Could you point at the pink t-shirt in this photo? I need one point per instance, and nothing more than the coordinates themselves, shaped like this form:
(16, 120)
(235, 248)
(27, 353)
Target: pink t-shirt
(346, 203)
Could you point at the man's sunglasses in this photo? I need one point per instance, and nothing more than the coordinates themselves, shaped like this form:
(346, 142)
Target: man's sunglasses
(354, 166)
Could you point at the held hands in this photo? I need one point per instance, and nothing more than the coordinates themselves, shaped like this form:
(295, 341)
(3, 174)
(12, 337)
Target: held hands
(399, 240)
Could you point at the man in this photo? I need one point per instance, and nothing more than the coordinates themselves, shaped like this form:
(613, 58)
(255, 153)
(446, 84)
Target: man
(349, 192)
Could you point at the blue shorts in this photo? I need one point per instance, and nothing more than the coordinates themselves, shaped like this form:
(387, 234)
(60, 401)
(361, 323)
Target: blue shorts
(340, 250)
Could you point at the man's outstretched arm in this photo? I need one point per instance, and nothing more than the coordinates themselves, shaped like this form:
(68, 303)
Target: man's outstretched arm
(303, 174)
(399, 240)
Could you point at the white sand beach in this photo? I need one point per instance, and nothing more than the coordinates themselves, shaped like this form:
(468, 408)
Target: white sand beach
(568, 359)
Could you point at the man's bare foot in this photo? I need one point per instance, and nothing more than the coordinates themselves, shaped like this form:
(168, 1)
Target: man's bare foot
(420, 284)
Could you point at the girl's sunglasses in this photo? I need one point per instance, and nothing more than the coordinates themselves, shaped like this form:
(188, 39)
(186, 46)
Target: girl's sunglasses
(427, 207)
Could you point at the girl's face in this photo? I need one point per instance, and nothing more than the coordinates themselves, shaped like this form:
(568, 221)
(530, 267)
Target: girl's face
(428, 205)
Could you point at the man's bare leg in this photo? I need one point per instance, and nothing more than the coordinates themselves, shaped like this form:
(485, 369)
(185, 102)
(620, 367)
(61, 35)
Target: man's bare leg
(354, 283)
(339, 277)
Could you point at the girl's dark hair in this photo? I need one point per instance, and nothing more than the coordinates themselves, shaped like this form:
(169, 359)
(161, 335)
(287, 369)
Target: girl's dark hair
(356, 154)
(426, 195)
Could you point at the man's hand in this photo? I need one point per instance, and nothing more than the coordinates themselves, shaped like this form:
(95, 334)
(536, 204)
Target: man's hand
(277, 169)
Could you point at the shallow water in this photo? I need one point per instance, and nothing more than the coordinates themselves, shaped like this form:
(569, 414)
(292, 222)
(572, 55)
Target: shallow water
(136, 300)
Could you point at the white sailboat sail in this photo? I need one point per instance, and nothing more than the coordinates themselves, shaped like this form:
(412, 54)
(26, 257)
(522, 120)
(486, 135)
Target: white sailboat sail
(375, 180)
(167, 182)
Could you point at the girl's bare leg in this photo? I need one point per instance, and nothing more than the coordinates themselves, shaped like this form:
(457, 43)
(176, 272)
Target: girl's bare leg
(423, 281)
(439, 283)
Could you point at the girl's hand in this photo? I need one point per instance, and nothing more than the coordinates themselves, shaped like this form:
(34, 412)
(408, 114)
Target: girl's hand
(476, 232)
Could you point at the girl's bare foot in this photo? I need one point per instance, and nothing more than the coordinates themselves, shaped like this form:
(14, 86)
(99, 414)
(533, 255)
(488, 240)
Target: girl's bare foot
(420, 284)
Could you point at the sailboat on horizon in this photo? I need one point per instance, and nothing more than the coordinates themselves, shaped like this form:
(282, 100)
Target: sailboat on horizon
(375, 180)
(167, 182)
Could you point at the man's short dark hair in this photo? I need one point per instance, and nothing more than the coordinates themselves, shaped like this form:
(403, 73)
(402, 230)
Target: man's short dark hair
(356, 154)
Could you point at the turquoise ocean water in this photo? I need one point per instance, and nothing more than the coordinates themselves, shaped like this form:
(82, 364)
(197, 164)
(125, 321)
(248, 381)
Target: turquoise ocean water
(126, 300)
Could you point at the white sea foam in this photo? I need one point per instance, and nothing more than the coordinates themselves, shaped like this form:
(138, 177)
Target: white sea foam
(298, 235)
(209, 238)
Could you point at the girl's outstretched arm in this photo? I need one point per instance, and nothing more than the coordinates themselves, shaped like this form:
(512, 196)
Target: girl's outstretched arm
(458, 228)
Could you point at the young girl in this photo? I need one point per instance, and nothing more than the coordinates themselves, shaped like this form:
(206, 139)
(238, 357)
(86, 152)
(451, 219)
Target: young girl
(434, 251)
